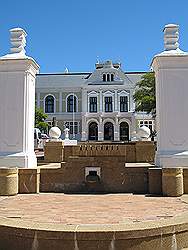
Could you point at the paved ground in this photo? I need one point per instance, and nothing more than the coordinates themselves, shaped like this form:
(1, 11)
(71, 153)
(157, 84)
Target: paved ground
(90, 209)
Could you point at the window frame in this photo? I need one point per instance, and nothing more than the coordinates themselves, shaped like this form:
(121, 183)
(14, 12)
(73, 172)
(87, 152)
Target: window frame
(124, 106)
(93, 106)
(75, 103)
(54, 104)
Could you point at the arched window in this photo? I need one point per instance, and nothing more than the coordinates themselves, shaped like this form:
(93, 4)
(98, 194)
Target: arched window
(71, 102)
(112, 77)
(104, 77)
(108, 131)
(124, 131)
(49, 104)
(108, 77)
(93, 131)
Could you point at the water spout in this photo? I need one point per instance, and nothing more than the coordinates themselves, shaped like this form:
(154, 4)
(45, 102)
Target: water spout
(174, 241)
(161, 240)
(112, 243)
(35, 243)
(75, 242)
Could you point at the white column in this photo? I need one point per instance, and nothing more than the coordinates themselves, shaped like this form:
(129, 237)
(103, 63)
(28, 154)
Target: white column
(171, 71)
(60, 102)
(116, 130)
(116, 101)
(100, 130)
(38, 99)
(88, 103)
(101, 101)
(84, 129)
(131, 106)
(84, 100)
(17, 105)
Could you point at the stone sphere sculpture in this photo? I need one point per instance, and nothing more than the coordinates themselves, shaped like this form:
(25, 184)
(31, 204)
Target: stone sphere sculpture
(55, 133)
(144, 132)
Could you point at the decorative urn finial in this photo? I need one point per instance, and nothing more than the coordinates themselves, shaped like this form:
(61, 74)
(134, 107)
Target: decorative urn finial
(171, 37)
(18, 40)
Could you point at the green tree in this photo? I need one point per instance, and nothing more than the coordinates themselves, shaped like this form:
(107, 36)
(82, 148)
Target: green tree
(40, 118)
(144, 96)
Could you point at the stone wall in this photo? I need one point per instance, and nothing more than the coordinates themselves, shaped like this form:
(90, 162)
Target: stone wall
(108, 158)
(114, 177)
(130, 152)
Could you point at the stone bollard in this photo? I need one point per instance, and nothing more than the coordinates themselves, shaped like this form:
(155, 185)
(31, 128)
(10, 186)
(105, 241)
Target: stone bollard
(172, 181)
(155, 180)
(185, 180)
(53, 151)
(8, 181)
(29, 180)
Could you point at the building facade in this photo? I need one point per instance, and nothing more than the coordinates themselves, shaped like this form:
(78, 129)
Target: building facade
(94, 106)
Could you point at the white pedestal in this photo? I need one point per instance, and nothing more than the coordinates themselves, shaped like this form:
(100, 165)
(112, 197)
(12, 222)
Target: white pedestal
(17, 105)
(171, 71)
(68, 142)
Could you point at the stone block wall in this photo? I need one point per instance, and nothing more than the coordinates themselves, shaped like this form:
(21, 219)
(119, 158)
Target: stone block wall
(131, 152)
(29, 180)
(114, 177)
(110, 158)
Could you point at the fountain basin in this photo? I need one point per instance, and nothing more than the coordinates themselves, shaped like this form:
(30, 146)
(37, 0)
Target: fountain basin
(77, 228)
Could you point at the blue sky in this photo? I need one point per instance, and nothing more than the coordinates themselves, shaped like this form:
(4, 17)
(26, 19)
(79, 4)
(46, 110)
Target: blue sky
(74, 33)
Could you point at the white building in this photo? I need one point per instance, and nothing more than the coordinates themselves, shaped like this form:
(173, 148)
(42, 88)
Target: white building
(99, 104)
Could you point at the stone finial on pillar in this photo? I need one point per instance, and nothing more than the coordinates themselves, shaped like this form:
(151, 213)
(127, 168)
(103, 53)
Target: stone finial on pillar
(18, 40)
(171, 37)
(17, 96)
(171, 73)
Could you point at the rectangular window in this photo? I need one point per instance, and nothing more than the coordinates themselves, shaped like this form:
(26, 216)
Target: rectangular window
(108, 104)
(123, 104)
(93, 104)
(69, 125)
(147, 123)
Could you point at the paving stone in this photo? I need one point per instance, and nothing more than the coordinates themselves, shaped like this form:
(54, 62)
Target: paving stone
(90, 209)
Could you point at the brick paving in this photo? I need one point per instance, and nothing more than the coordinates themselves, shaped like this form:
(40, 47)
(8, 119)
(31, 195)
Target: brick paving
(90, 209)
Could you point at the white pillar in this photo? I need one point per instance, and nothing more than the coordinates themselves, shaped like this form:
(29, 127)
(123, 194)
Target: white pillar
(17, 104)
(171, 72)
(100, 130)
(60, 102)
(84, 129)
(116, 101)
(101, 102)
(116, 130)
(38, 99)
(131, 106)
(84, 100)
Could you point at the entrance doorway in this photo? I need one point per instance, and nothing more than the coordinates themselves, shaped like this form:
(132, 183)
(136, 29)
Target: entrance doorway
(108, 131)
(93, 131)
(124, 131)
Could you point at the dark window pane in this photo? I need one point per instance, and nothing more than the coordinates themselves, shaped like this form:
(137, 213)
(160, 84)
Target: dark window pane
(112, 77)
(70, 103)
(108, 104)
(49, 104)
(69, 125)
(123, 104)
(93, 131)
(93, 104)
(104, 77)
(108, 77)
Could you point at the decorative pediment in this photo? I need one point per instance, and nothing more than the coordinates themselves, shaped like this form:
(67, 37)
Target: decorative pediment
(123, 93)
(108, 93)
(93, 93)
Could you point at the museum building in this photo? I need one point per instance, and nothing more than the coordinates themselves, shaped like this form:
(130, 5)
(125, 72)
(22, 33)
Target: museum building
(94, 106)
